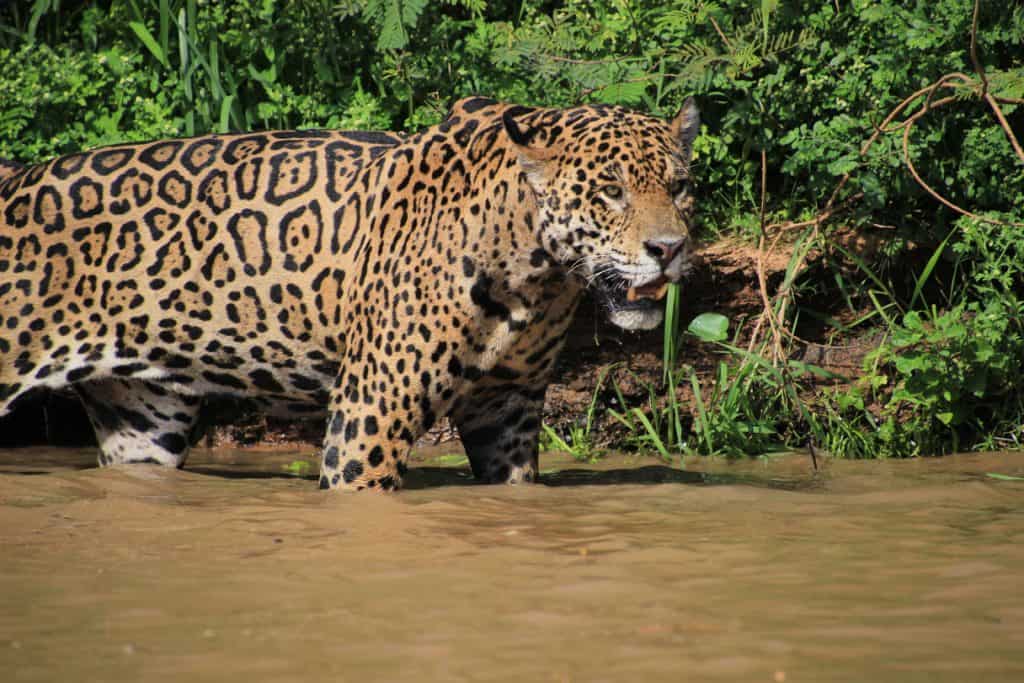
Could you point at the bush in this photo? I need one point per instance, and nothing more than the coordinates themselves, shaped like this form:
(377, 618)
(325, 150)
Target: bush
(803, 83)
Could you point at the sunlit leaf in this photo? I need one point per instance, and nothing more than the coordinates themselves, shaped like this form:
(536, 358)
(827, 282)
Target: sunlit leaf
(709, 327)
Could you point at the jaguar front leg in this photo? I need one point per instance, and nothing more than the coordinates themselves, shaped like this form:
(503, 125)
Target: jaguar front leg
(500, 431)
(370, 434)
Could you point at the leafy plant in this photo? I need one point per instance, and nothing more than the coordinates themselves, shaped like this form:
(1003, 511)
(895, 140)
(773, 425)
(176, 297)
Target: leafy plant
(579, 440)
(799, 87)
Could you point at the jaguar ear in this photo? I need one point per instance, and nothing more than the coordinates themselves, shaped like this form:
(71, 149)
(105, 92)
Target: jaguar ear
(532, 160)
(686, 125)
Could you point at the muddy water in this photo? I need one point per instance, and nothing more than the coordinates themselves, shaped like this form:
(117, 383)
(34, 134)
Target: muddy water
(624, 571)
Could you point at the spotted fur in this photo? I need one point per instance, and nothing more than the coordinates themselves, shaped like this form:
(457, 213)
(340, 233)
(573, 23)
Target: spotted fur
(374, 281)
(8, 168)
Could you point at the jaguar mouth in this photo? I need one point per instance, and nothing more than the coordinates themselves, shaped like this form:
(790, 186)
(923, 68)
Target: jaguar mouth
(632, 306)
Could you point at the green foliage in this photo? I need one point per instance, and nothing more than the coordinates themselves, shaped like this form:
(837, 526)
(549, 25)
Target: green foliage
(943, 378)
(579, 439)
(949, 374)
(58, 98)
(948, 379)
(178, 67)
(576, 443)
(804, 83)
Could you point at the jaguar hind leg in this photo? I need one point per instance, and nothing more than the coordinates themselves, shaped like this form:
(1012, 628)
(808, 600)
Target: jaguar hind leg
(139, 422)
(500, 431)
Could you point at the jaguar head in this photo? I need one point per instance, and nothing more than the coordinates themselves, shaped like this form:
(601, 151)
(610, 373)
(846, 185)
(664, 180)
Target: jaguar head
(614, 199)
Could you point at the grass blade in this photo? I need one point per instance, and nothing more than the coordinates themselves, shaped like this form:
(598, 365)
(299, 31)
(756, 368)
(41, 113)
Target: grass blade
(928, 268)
(701, 419)
(670, 342)
(225, 113)
(165, 25)
(147, 39)
(554, 439)
(870, 273)
(652, 434)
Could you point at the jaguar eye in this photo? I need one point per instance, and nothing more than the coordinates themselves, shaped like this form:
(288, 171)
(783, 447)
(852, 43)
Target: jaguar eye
(678, 187)
(612, 191)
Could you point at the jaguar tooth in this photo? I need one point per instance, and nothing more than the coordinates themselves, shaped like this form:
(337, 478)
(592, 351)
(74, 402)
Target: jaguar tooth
(652, 290)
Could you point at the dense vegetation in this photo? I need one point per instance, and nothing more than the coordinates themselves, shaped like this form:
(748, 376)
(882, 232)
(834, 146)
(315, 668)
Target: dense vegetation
(791, 93)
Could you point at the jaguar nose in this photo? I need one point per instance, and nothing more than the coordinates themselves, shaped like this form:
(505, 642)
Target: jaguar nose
(664, 250)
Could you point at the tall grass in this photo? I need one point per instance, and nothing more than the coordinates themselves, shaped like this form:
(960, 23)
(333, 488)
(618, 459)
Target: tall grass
(943, 371)
(196, 66)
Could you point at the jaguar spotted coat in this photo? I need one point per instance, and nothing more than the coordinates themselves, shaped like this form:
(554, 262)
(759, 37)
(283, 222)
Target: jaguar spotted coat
(376, 281)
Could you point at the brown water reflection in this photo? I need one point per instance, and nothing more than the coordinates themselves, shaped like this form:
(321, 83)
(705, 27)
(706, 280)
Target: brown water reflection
(623, 571)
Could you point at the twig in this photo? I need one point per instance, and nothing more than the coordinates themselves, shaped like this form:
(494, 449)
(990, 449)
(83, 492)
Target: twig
(974, 50)
(927, 188)
(764, 188)
(718, 30)
(598, 62)
(993, 102)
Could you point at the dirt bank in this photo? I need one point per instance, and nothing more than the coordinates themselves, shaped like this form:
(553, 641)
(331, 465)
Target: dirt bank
(723, 280)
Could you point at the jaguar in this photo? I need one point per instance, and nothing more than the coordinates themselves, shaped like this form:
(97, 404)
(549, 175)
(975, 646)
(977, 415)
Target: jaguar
(371, 280)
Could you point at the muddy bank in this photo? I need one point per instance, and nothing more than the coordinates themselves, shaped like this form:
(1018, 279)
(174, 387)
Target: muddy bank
(723, 280)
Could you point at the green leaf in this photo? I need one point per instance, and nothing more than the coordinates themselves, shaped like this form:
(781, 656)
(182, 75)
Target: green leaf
(225, 113)
(977, 381)
(842, 165)
(709, 327)
(1003, 477)
(652, 434)
(297, 468)
(912, 321)
(910, 362)
(396, 17)
(929, 267)
(143, 34)
(874, 191)
(622, 93)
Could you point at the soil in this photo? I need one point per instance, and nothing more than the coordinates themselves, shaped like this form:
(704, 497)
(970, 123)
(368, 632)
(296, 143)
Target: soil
(723, 280)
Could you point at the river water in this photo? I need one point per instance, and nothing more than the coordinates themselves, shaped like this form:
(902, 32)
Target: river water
(628, 570)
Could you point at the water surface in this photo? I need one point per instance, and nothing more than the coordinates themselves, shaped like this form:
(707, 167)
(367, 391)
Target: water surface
(628, 570)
